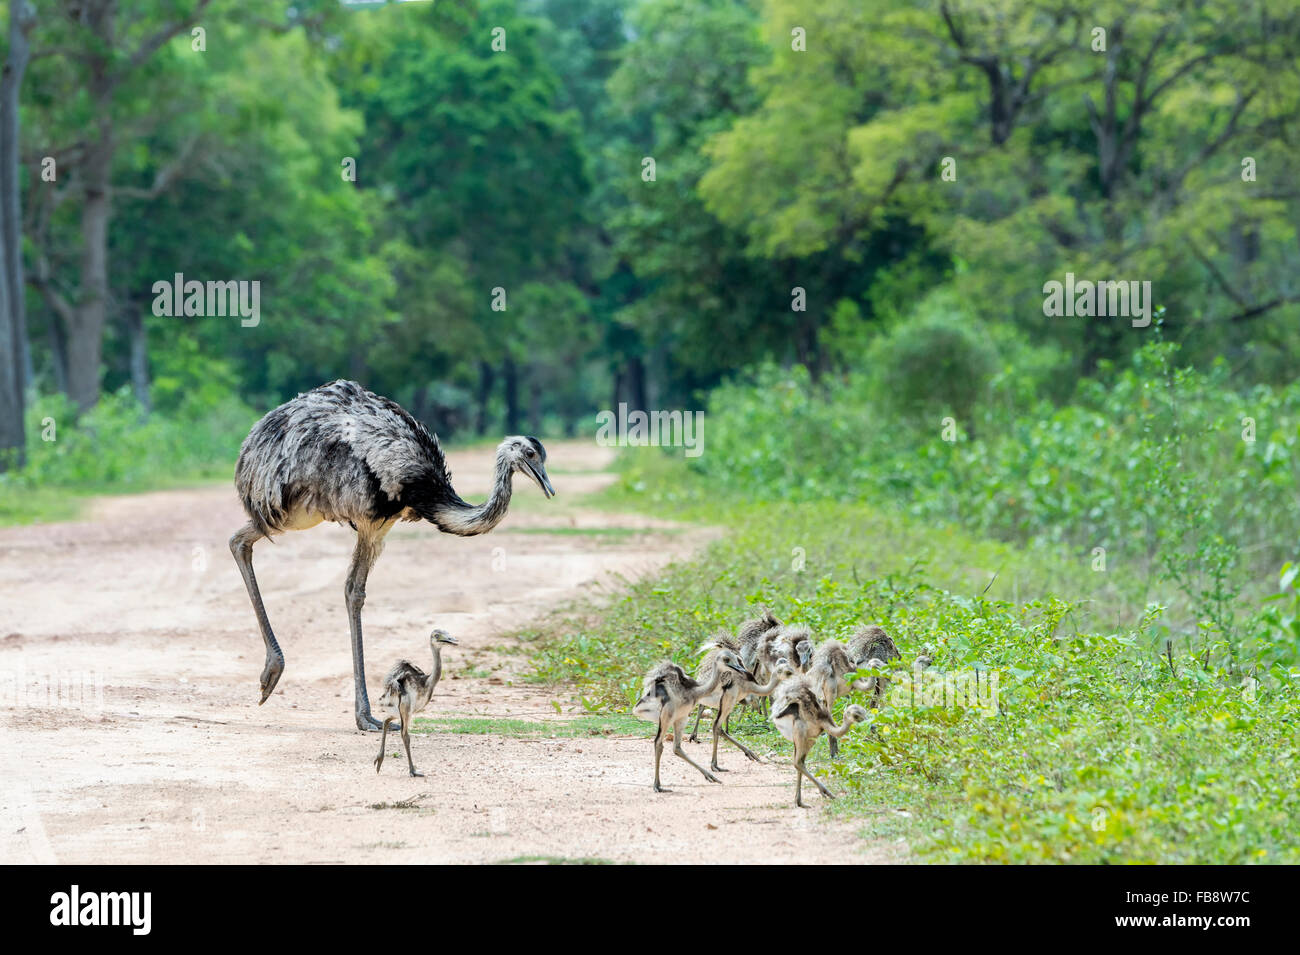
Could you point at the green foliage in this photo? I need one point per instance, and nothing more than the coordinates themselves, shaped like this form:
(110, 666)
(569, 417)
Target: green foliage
(1155, 467)
(116, 447)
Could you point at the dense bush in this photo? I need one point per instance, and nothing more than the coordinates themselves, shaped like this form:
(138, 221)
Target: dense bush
(942, 363)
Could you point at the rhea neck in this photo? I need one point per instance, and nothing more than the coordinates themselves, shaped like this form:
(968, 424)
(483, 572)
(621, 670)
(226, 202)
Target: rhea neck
(772, 684)
(838, 731)
(713, 682)
(467, 520)
(435, 674)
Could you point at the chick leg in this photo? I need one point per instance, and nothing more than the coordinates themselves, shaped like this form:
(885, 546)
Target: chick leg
(379, 760)
(813, 779)
(405, 710)
(725, 714)
(677, 748)
(659, 751)
(695, 733)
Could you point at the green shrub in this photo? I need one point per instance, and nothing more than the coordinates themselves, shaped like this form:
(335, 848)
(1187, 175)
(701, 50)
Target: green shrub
(941, 364)
(117, 447)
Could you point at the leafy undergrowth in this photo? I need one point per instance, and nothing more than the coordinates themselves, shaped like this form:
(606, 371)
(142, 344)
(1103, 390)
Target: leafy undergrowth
(1091, 737)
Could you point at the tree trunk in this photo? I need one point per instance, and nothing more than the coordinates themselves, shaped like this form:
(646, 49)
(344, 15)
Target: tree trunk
(636, 397)
(511, 375)
(139, 339)
(86, 336)
(486, 378)
(534, 405)
(16, 349)
(12, 438)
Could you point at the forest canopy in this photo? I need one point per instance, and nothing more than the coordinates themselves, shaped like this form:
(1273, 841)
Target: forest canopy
(515, 213)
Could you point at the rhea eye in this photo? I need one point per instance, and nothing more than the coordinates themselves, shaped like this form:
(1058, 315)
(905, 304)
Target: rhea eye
(530, 452)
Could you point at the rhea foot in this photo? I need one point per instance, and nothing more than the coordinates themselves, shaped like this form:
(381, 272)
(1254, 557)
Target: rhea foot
(271, 674)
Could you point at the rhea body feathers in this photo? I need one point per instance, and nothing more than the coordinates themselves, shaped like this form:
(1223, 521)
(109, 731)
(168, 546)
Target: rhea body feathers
(342, 453)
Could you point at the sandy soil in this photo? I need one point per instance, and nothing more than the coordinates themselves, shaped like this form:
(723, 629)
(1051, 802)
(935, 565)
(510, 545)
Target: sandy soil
(129, 660)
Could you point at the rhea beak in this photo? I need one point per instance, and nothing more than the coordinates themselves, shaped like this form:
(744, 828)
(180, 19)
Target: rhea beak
(741, 670)
(445, 638)
(538, 474)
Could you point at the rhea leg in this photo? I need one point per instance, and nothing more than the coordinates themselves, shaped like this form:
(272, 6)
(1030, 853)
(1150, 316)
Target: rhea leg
(717, 718)
(241, 546)
(799, 748)
(800, 765)
(354, 593)
(725, 714)
(677, 748)
(699, 714)
(379, 760)
(405, 709)
(659, 751)
(835, 744)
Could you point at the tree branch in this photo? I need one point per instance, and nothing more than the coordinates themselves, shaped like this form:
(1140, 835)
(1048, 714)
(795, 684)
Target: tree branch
(164, 177)
(151, 44)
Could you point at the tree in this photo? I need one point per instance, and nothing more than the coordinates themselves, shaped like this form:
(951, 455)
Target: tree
(13, 314)
(1112, 155)
(101, 58)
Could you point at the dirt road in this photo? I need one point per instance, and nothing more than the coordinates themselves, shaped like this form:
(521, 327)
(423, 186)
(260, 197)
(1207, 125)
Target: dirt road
(129, 660)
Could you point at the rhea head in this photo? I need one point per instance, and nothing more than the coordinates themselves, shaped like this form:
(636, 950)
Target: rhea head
(784, 670)
(729, 659)
(527, 456)
(441, 636)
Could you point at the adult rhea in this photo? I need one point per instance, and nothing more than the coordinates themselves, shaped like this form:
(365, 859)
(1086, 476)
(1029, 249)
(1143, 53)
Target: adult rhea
(341, 453)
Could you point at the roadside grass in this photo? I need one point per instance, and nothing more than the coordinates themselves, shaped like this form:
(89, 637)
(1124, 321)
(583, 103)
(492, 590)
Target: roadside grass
(1111, 737)
(38, 505)
(555, 860)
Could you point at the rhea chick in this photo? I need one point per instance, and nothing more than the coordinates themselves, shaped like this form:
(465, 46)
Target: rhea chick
(667, 697)
(407, 690)
(800, 716)
(829, 676)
